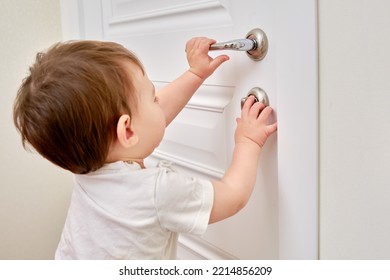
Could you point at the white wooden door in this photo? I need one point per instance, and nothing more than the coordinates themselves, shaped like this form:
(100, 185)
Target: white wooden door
(280, 221)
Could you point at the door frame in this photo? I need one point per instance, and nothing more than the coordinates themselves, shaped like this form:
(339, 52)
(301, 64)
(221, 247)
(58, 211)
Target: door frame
(297, 115)
(298, 128)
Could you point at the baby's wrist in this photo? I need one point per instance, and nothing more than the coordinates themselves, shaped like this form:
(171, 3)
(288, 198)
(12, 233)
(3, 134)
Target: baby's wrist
(197, 74)
(249, 144)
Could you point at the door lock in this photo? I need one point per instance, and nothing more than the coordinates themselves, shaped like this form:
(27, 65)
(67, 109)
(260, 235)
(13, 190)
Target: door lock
(259, 94)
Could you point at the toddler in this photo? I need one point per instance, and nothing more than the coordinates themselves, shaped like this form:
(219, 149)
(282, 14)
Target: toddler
(90, 108)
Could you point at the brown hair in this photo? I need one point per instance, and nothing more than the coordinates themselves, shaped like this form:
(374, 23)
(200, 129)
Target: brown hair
(68, 106)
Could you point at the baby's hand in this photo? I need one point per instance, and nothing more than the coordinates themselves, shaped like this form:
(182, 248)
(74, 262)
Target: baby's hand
(252, 126)
(201, 64)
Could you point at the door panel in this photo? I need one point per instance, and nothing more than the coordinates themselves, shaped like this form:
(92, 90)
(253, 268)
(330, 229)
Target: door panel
(200, 140)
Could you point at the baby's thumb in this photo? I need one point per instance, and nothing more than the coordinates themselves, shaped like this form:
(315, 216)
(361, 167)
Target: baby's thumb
(218, 61)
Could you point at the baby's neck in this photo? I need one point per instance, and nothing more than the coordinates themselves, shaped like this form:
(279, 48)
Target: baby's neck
(139, 162)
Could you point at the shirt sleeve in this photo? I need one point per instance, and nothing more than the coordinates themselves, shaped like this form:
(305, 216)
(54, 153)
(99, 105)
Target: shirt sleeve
(183, 202)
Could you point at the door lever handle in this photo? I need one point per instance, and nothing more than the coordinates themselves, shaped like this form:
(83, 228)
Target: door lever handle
(236, 45)
(255, 44)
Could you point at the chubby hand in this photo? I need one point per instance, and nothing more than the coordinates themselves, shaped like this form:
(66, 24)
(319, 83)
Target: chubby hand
(201, 64)
(252, 127)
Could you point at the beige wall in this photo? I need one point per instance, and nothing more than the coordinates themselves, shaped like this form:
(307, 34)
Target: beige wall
(354, 133)
(33, 193)
(354, 129)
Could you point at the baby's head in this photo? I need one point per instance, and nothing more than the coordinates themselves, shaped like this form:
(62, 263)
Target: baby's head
(68, 107)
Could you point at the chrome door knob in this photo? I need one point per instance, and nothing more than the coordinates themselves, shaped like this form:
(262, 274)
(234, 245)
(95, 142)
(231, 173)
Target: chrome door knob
(259, 94)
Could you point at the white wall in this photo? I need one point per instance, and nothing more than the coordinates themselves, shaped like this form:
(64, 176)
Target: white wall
(354, 129)
(34, 194)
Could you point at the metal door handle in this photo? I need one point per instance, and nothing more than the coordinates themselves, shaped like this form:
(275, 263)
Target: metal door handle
(255, 44)
(236, 45)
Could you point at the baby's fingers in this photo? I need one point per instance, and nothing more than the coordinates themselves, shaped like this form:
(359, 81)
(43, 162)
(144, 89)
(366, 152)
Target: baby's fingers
(216, 62)
(256, 109)
(199, 43)
(247, 105)
(265, 113)
(271, 128)
(263, 117)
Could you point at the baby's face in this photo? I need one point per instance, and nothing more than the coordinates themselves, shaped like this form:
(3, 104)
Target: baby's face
(148, 120)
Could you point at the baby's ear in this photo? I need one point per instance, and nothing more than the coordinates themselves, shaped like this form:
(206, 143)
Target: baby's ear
(126, 137)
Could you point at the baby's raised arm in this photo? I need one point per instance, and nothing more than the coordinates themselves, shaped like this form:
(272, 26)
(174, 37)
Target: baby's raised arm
(232, 192)
(175, 96)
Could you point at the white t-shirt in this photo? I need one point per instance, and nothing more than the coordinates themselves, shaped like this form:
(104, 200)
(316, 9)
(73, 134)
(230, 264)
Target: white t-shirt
(124, 212)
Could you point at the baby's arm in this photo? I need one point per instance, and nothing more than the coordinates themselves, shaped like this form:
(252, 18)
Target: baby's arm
(232, 192)
(175, 96)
